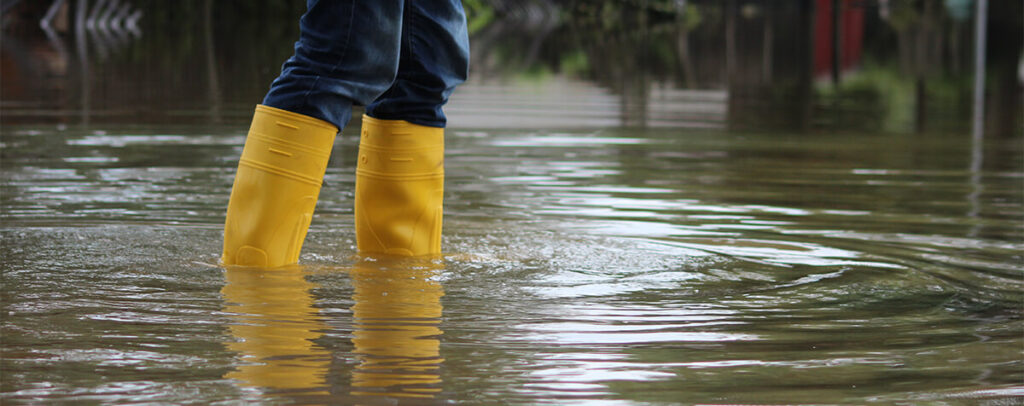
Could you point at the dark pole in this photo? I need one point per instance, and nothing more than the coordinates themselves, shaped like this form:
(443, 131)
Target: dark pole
(212, 79)
(83, 58)
(836, 40)
(805, 71)
(921, 65)
(730, 42)
(767, 47)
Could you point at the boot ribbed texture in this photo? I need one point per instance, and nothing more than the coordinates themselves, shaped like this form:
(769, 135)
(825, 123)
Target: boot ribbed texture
(399, 188)
(276, 188)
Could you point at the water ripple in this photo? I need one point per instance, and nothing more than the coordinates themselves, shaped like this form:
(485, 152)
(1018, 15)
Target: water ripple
(621, 266)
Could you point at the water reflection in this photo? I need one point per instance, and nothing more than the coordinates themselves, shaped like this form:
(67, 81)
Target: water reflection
(274, 325)
(616, 266)
(397, 313)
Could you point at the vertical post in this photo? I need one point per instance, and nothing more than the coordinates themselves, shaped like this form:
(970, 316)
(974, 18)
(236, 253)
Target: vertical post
(921, 105)
(644, 78)
(735, 102)
(978, 130)
(766, 45)
(921, 66)
(980, 26)
(836, 41)
(83, 57)
(804, 99)
(212, 79)
(683, 47)
(730, 42)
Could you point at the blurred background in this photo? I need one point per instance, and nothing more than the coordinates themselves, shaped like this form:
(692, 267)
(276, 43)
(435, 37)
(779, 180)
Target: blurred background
(899, 66)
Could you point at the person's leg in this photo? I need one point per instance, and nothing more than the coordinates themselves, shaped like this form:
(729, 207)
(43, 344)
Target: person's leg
(434, 59)
(400, 173)
(347, 53)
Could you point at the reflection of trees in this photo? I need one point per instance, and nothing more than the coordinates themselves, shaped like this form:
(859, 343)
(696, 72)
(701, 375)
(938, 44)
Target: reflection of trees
(629, 47)
(208, 51)
(771, 84)
(512, 40)
(762, 52)
(200, 53)
(1005, 104)
(917, 73)
(194, 53)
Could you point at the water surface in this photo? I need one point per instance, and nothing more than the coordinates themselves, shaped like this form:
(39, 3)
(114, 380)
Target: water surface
(613, 266)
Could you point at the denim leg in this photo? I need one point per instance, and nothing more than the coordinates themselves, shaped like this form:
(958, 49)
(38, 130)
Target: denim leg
(347, 53)
(434, 59)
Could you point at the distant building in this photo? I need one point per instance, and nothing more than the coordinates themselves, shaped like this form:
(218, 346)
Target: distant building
(851, 36)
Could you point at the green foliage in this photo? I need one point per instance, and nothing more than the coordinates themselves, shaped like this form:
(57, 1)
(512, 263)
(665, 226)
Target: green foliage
(903, 15)
(691, 17)
(574, 63)
(885, 98)
(478, 14)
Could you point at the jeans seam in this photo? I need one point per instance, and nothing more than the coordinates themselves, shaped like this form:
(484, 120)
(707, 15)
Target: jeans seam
(341, 58)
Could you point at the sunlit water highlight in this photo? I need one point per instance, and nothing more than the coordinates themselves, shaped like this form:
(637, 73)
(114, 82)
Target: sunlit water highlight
(609, 266)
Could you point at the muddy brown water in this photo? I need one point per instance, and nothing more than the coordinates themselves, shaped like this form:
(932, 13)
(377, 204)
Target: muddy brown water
(599, 266)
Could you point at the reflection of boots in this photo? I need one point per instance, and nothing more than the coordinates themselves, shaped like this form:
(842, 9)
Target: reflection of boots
(399, 188)
(274, 324)
(276, 188)
(397, 313)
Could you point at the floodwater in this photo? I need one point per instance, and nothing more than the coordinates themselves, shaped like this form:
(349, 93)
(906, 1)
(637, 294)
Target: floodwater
(600, 266)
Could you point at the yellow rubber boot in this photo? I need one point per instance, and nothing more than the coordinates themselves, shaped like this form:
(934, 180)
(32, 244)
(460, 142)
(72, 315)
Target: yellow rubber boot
(276, 188)
(399, 188)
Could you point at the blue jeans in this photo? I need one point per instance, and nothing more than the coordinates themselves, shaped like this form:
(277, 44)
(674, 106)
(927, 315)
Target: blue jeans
(401, 59)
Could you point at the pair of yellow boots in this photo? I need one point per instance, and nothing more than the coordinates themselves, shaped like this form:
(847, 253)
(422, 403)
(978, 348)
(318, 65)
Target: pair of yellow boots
(399, 188)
